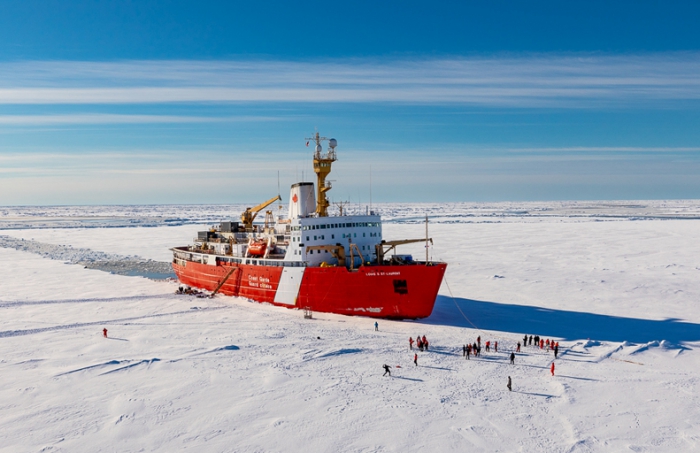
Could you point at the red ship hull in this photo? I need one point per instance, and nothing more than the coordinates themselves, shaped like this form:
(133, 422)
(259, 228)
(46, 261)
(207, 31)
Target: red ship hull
(386, 291)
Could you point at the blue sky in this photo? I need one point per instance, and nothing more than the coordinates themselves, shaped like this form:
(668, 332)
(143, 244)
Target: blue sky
(205, 102)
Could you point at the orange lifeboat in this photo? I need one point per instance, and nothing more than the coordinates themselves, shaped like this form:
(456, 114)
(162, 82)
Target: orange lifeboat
(257, 248)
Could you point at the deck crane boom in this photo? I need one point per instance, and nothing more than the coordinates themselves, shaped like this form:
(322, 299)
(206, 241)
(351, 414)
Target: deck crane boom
(250, 213)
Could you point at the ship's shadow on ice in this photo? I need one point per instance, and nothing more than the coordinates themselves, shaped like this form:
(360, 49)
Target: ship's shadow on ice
(568, 325)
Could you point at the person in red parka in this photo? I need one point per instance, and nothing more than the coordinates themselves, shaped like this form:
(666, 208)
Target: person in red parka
(415, 359)
(104, 332)
(552, 369)
(410, 342)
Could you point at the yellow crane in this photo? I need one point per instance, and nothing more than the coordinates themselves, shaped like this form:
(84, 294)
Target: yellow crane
(250, 213)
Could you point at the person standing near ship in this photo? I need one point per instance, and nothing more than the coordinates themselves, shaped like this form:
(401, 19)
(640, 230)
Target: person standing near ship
(410, 343)
(376, 326)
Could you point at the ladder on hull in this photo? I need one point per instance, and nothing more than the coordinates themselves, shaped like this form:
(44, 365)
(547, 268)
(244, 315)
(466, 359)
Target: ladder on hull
(221, 283)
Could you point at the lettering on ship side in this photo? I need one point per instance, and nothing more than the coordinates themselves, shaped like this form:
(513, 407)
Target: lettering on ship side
(382, 273)
(259, 282)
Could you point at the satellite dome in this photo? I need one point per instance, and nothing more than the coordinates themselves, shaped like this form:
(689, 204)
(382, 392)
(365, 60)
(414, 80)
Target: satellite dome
(332, 143)
(319, 148)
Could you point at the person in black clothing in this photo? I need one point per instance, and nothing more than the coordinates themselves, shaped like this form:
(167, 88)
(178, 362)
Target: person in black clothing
(464, 350)
(530, 340)
(510, 388)
(537, 340)
(512, 358)
(386, 370)
(556, 351)
(469, 351)
(525, 340)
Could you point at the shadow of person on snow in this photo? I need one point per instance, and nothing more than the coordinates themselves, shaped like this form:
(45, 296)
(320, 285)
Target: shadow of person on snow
(568, 325)
(535, 394)
(436, 367)
(115, 338)
(407, 378)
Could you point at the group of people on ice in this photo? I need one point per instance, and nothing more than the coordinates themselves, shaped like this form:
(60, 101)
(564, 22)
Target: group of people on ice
(475, 349)
(421, 342)
(548, 345)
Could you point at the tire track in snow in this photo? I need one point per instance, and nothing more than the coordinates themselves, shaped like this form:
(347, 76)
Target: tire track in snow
(19, 303)
(17, 333)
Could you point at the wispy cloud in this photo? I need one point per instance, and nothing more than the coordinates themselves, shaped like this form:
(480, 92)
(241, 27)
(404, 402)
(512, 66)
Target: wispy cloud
(526, 81)
(608, 149)
(105, 118)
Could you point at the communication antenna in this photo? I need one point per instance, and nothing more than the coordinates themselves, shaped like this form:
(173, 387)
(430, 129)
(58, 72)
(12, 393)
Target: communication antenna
(370, 188)
(279, 192)
(341, 207)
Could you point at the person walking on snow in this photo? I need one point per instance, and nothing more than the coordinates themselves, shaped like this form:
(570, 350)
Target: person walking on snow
(556, 350)
(518, 350)
(464, 350)
(469, 351)
(410, 343)
(376, 326)
(512, 358)
(488, 346)
(495, 346)
(510, 388)
(541, 343)
(525, 340)
(415, 359)
(552, 369)
(104, 332)
(386, 370)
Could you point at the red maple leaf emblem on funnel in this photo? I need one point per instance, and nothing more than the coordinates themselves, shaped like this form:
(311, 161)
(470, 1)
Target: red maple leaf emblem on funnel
(295, 198)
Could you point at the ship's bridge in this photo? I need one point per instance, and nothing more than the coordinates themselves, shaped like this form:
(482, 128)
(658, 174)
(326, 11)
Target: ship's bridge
(365, 231)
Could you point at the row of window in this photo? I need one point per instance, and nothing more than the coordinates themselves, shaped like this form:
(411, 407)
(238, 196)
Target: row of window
(339, 225)
(345, 236)
(311, 252)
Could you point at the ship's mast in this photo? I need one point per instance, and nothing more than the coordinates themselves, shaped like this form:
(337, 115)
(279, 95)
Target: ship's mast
(322, 167)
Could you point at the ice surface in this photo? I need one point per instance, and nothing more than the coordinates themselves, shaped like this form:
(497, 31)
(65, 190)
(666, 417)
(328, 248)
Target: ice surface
(616, 284)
